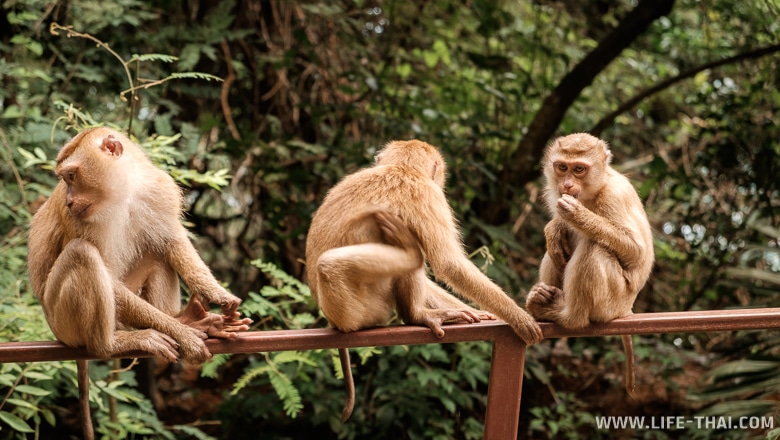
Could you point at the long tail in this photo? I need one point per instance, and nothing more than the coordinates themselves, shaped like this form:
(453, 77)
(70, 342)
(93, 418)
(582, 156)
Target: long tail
(628, 347)
(82, 373)
(346, 368)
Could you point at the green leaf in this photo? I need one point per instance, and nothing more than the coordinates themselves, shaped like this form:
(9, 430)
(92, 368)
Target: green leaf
(22, 403)
(15, 422)
(37, 375)
(35, 391)
(189, 57)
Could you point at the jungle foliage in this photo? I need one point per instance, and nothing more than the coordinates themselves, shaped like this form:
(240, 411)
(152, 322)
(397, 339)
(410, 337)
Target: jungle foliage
(257, 107)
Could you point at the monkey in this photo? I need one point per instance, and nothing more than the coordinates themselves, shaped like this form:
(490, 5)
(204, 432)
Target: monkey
(368, 244)
(105, 254)
(599, 241)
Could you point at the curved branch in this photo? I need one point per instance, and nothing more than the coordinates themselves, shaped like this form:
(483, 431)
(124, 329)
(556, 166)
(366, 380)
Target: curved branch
(554, 107)
(606, 121)
(226, 92)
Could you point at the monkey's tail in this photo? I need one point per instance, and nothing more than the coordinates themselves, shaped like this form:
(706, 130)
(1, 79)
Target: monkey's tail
(628, 347)
(82, 373)
(346, 368)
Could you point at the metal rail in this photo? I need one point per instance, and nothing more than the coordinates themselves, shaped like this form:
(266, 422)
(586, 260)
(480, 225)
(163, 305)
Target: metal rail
(506, 371)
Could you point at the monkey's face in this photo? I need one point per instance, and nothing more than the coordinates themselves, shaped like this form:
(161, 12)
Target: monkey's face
(77, 199)
(571, 177)
(83, 195)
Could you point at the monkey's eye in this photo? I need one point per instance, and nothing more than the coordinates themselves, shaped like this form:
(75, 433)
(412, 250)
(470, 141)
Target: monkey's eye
(562, 167)
(579, 169)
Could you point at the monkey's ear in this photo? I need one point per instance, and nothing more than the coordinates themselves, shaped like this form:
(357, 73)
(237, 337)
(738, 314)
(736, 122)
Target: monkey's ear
(111, 146)
(607, 151)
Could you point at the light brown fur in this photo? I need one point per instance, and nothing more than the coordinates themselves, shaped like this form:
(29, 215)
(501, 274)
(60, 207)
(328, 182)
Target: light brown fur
(369, 240)
(599, 242)
(106, 251)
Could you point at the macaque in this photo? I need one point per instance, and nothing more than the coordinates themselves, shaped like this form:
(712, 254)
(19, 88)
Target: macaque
(599, 243)
(106, 251)
(368, 244)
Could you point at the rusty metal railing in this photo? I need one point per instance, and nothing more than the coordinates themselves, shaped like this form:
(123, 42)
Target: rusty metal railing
(506, 371)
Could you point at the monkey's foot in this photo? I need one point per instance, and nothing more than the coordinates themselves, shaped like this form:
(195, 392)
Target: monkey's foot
(162, 346)
(213, 325)
(484, 315)
(434, 319)
(542, 301)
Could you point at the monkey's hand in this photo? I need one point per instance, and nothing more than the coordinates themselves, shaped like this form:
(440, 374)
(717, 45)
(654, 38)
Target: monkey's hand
(528, 330)
(212, 324)
(567, 205)
(226, 300)
(229, 304)
(395, 233)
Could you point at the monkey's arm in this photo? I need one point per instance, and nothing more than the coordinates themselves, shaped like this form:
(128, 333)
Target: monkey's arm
(44, 246)
(184, 259)
(558, 246)
(617, 238)
(442, 246)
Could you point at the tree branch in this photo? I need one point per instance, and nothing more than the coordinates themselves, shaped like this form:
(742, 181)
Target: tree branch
(554, 107)
(606, 121)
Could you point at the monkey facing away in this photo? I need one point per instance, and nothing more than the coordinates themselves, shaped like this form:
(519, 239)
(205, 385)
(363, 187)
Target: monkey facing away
(106, 251)
(599, 242)
(368, 243)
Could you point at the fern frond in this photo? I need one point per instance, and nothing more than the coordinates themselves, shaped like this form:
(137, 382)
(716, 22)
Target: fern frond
(244, 380)
(285, 357)
(209, 369)
(153, 57)
(291, 399)
(195, 75)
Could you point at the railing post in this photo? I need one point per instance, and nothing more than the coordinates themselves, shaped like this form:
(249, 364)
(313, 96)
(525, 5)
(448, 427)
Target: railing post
(505, 387)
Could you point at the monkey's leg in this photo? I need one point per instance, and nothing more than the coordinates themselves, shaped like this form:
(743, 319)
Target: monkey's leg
(81, 309)
(158, 284)
(412, 304)
(594, 287)
(545, 299)
(138, 313)
(355, 288)
(78, 302)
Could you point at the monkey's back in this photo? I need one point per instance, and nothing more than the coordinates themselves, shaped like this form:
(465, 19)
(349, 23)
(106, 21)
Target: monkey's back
(392, 188)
